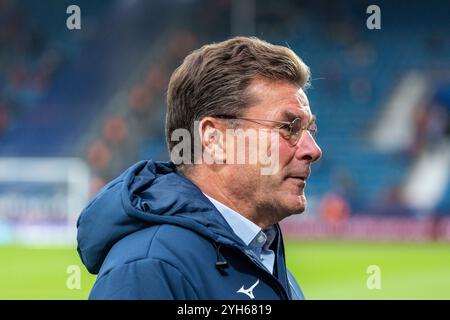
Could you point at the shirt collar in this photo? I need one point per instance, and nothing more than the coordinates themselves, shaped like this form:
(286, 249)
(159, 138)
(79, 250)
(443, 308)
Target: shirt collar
(249, 232)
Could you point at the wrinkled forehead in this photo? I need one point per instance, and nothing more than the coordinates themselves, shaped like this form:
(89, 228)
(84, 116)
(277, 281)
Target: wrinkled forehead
(275, 97)
(301, 97)
(293, 104)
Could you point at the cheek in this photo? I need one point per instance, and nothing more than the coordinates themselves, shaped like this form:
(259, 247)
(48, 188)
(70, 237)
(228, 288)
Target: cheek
(276, 144)
(286, 153)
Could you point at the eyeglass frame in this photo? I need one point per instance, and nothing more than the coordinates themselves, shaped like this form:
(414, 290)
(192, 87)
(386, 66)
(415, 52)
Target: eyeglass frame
(283, 124)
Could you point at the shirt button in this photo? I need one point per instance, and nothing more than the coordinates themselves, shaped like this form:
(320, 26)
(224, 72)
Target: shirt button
(261, 239)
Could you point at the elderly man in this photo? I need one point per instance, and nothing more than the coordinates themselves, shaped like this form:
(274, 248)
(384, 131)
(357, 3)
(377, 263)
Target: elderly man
(205, 225)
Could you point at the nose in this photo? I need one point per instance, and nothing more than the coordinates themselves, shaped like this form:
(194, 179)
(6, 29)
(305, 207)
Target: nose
(307, 148)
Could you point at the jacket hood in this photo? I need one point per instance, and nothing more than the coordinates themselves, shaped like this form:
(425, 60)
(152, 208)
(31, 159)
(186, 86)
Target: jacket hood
(148, 193)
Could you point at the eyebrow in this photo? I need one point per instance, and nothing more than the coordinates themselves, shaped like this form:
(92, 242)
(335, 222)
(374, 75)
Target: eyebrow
(290, 116)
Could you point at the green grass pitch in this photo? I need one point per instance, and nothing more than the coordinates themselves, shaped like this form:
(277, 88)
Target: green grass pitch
(325, 270)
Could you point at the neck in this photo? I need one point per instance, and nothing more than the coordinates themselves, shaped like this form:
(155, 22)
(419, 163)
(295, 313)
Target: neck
(219, 186)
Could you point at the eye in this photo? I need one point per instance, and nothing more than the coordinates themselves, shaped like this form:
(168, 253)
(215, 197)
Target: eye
(313, 129)
(285, 130)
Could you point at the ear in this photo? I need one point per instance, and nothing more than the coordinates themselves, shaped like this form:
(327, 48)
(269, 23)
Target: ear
(211, 133)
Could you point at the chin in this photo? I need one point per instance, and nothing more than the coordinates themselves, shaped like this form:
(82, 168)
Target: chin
(296, 204)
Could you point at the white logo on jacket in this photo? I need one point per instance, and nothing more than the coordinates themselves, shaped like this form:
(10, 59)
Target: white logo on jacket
(249, 291)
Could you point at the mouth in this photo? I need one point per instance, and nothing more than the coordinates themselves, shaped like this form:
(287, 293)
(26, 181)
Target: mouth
(299, 180)
(300, 176)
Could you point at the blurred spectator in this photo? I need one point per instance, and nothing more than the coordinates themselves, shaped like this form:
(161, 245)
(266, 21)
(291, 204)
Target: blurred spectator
(96, 184)
(115, 130)
(334, 208)
(139, 98)
(27, 62)
(157, 78)
(420, 120)
(432, 121)
(442, 100)
(98, 155)
(181, 43)
(3, 118)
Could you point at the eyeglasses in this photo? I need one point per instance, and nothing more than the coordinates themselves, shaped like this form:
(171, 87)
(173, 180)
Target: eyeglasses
(293, 129)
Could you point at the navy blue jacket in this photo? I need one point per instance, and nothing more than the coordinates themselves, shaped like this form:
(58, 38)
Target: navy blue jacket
(152, 234)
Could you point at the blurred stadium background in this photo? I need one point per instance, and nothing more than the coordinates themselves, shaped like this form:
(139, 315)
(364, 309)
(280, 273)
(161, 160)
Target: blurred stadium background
(79, 106)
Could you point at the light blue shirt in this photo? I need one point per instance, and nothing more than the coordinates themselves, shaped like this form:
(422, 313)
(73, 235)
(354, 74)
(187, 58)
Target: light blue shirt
(251, 234)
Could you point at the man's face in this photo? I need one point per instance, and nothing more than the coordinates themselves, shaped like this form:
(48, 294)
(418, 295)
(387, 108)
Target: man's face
(282, 193)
